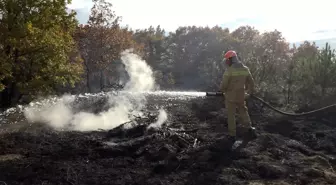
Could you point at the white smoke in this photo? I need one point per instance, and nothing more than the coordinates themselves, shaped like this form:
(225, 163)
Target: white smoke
(55, 113)
(59, 115)
(161, 119)
(141, 75)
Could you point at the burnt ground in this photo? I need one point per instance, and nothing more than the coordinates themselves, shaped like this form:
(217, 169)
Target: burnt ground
(192, 149)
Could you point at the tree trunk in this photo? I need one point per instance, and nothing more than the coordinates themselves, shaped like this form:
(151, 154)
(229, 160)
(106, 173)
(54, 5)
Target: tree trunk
(10, 95)
(5, 98)
(88, 84)
(101, 80)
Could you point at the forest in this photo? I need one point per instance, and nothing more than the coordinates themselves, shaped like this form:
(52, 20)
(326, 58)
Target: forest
(44, 50)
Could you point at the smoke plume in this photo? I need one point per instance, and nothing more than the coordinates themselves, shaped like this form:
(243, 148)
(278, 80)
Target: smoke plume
(122, 106)
(160, 120)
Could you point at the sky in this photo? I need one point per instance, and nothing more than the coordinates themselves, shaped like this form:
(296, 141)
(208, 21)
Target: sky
(298, 20)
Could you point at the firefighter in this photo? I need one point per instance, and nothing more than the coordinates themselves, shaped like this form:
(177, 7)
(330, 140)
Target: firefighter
(236, 79)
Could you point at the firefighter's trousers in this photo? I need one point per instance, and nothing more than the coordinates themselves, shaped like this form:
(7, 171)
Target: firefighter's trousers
(243, 116)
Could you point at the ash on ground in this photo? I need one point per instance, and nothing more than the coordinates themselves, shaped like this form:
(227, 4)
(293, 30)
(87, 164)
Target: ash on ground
(191, 147)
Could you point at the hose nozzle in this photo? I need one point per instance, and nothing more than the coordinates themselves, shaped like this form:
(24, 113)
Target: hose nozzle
(214, 94)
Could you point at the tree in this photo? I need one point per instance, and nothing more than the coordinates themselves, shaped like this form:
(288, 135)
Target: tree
(196, 54)
(304, 58)
(101, 42)
(36, 41)
(325, 70)
(154, 43)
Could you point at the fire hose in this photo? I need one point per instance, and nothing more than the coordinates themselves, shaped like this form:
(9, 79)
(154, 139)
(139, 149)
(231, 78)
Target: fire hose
(275, 109)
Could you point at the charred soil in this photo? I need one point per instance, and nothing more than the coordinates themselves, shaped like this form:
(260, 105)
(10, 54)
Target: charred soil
(191, 149)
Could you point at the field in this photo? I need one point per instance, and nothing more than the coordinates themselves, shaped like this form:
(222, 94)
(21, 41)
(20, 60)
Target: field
(191, 148)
